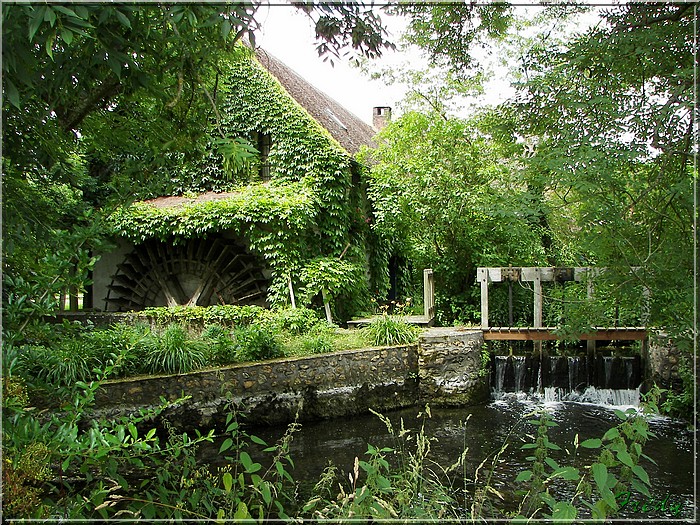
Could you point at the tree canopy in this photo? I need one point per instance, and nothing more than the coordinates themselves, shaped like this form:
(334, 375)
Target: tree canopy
(105, 103)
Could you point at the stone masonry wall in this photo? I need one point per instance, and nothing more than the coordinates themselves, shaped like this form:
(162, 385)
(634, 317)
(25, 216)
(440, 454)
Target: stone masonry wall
(273, 392)
(442, 370)
(661, 359)
(450, 367)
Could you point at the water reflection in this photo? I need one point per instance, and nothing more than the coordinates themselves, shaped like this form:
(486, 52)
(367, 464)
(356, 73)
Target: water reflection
(483, 430)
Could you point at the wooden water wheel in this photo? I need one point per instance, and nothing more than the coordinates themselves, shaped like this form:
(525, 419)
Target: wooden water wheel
(197, 272)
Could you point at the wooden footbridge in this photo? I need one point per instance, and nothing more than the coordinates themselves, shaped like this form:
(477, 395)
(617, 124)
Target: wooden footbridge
(538, 333)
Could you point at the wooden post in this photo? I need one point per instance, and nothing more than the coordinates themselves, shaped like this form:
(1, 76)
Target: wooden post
(428, 294)
(537, 307)
(590, 290)
(482, 275)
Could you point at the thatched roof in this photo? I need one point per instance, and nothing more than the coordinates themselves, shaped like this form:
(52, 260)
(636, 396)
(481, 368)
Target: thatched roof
(345, 127)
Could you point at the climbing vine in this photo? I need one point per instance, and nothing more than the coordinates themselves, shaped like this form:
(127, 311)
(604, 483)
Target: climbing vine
(305, 211)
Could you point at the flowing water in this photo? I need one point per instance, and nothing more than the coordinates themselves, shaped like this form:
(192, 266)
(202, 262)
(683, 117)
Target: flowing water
(577, 408)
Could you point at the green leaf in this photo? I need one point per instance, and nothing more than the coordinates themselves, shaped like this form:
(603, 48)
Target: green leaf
(49, 44)
(591, 443)
(12, 93)
(611, 434)
(227, 444)
(227, 479)
(625, 458)
(564, 511)
(123, 19)
(50, 16)
(640, 487)
(620, 414)
(524, 475)
(241, 512)
(567, 473)
(36, 21)
(66, 35)
(639, 471)
(600, 475)
(225, 29)
(266, 493)
(259, 441)
(248, 463)
(66, 11)
(551, 462)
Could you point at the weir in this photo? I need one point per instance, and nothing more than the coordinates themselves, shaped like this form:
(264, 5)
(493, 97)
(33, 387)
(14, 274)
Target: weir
(596, 379)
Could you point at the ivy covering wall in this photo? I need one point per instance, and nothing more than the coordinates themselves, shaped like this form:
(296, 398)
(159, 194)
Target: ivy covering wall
(308, 211)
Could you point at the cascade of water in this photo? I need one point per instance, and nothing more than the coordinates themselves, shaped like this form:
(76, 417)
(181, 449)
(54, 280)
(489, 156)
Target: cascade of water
(563, 377)
(607, 364)
(519, 368)
(573, 373)
(500, 375)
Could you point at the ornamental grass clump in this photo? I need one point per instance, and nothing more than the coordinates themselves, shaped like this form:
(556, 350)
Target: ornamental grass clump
(387, 330)
(174, 352)
(60, 365)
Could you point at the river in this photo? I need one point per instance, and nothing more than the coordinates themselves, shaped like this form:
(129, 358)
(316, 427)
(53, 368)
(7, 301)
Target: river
(483, 430)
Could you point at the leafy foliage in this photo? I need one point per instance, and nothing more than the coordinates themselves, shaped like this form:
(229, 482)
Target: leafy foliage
(620, 452)
(388, 330)
(446, 201)
(256, 343)
(173, 352)
(399, 483)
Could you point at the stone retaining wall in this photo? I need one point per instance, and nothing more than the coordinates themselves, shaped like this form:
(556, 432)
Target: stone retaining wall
(442, 370)
(273, 392)
(660, 360)
(450, 367)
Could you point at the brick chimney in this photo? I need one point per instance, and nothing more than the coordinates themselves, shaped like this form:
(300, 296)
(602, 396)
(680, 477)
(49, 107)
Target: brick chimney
(381, 116)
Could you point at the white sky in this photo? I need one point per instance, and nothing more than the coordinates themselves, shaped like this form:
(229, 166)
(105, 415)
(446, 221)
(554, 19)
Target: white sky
(287, 33)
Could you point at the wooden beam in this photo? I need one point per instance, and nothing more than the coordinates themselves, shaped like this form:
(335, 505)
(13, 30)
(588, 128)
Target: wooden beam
(548, 334)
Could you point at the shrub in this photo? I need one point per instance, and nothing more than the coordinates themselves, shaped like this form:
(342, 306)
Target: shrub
(387, 330)
(257, 342)
(318, 343)
(227, 315)
(222, 349)
(122, 344)
(319, 340)
(173, 352)
(296, 320)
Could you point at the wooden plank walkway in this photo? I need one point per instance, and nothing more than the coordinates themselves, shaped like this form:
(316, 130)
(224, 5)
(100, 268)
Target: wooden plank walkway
(420, 320)
(619, 333)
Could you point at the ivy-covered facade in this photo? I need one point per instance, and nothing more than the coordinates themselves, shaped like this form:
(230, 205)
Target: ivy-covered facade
(287, 223)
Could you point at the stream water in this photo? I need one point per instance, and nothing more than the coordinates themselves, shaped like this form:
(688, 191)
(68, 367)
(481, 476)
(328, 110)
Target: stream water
(578, 409)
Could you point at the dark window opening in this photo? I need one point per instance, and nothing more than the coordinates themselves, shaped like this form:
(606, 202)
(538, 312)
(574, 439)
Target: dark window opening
(263, 143)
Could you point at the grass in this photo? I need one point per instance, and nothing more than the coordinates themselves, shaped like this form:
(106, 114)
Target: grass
(175, 347)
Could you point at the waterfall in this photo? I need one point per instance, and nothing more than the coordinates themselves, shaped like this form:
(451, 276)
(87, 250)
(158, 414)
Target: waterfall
(607, 364)
(561, 378)
(500, 372)
(519, 370)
